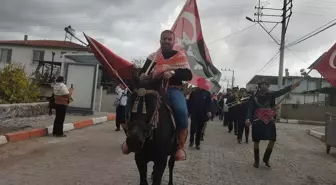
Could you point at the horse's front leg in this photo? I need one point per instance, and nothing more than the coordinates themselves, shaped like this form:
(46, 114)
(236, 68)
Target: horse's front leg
(160, 166)
(171, 164)
(142, 167)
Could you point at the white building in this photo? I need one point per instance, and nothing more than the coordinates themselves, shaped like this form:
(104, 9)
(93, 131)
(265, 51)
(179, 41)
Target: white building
(296, 96)
(29, 52)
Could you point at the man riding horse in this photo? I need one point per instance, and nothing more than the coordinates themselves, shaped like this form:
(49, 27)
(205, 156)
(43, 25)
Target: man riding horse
(172, 66)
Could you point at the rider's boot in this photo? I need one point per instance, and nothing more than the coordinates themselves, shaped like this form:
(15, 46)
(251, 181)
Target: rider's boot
(182, 137)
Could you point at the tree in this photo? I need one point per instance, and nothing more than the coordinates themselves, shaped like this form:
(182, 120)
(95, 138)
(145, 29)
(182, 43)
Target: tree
(16, 86)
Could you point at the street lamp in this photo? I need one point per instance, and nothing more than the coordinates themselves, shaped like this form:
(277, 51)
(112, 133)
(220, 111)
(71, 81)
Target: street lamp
(250, 19)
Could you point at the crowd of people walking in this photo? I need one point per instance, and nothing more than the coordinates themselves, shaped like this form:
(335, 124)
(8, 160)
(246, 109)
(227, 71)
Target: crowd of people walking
(239, 110)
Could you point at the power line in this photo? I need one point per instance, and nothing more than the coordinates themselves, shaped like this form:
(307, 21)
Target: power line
(296, 55)
(314, 31)
(273, 58)
(267, 64)
(310, 35)
(232, 34)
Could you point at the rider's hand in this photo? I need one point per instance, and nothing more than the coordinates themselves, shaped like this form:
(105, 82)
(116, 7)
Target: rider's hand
(209, 114)
(167, 75)
(247, 122)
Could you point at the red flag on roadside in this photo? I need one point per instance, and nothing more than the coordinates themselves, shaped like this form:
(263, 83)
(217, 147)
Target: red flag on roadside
(110, 61)
(326, 66)
(189, 37)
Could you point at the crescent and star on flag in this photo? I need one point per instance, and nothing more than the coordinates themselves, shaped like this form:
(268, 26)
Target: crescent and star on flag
(186, 42)
(332, 60)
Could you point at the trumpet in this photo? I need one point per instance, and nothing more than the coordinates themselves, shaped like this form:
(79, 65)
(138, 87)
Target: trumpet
(239, 101)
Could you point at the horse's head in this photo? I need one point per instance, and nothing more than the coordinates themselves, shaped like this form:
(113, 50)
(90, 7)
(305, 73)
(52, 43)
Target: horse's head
(144, 105)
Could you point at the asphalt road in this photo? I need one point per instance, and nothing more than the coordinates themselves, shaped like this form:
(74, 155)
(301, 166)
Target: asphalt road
(91, 156)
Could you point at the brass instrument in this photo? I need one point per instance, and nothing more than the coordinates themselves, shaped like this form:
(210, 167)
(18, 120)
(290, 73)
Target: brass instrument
(239, 101)
(240, 96)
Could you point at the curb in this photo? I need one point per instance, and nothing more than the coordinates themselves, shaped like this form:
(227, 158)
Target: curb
(316, 134)
(293, 121)
(40, 132)
(302, 122)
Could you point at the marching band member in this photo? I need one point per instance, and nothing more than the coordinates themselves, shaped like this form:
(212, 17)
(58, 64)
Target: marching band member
(225, 107)
(242, 109)
(261, 113)
(233, 110)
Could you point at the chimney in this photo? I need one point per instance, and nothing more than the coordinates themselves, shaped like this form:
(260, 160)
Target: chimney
(25, 37)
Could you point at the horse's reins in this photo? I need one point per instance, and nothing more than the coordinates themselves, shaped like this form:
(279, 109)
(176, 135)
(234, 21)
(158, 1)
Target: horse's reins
(141, 93)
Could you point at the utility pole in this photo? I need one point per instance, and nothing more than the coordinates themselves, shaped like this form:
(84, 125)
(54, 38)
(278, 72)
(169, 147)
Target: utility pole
(287, 7)
(233, 75)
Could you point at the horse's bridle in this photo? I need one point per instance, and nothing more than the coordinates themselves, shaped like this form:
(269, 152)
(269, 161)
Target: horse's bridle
(141, 94)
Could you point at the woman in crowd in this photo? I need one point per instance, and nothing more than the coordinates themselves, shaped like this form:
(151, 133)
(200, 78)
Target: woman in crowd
(62, 99)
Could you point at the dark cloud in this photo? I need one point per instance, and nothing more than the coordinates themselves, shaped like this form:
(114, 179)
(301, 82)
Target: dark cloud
(131, 28)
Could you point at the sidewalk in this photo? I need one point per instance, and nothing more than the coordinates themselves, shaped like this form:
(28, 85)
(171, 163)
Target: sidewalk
(25, 128)
(302, 122)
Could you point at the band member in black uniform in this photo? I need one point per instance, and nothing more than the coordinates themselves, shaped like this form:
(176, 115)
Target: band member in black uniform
(199, 108)
(260, 114)
(220, 106)
(225, 107)
(233, 110)
(242, 111)
(230, 100)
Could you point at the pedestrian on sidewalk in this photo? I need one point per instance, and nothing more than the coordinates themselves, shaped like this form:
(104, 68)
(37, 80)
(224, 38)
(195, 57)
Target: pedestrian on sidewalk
(261, 114)
(121, 102)
(62, 99)
(199, 108)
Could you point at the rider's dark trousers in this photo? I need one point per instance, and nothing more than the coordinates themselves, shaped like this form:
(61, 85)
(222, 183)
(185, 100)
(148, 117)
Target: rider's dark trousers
(196, 127)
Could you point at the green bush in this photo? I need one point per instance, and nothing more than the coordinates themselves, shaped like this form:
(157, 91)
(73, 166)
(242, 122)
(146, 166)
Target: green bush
(16, 86)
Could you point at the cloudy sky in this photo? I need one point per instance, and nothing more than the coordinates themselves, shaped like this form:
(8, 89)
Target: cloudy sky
(131, 29)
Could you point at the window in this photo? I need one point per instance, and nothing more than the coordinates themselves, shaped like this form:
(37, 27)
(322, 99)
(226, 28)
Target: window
(38, 55)
(5, 55)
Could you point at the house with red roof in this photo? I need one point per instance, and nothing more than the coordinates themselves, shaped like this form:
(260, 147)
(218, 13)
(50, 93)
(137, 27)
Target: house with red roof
(30, 52)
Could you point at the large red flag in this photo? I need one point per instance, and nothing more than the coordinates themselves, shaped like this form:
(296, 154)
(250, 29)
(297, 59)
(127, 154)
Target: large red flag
(189, 37)
(327, 66)
(110, 61)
